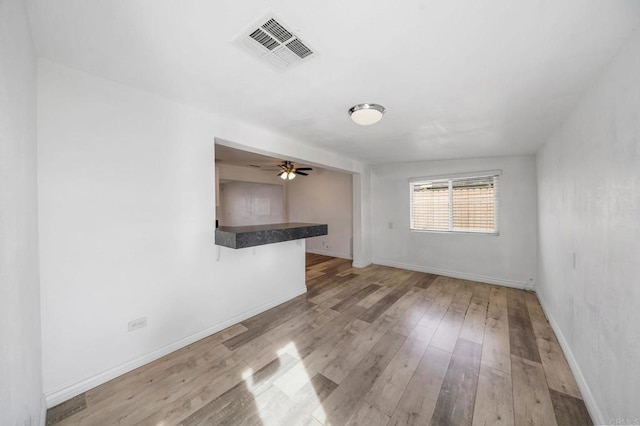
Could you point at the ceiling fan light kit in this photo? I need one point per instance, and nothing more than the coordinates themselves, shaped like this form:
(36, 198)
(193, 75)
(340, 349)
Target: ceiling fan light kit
(289, 171)
(287, 175)
(366, 114)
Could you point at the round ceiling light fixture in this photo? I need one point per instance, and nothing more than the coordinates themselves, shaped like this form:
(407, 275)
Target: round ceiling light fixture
(366, 114)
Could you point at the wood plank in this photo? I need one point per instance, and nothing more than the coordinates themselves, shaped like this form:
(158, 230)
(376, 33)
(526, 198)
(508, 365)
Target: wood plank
(393, 276)
(531, 399)
(312, 275)
(412, 316)
(256, 353)
(388, 389)
(476, 316)
(303, 323)
(306, 400)
(264, 322)
(276, 312)
(340, 291)
(496, 349)
(350, 271)
(522, 339)
(239, 402)
(414, 279)
(232, 409)
(326, 264)
(319, 286)
(345, 400)
(316, 360)
(68, 408)
(345, 324)
(399, 309)
(457, 397)
(442, 291)
(368, 415)
(569, 410)
(421, 394)
(371, 299)
(541, 327)
(351, 354)
(314, 259)
(426, 281)
(496, 358)
(269, 405)
(556, 368)
(448, 330)
(355, 298)
(494, 400)
(383, 304)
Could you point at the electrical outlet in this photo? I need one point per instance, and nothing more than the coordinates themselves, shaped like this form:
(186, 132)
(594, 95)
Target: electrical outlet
(390, 225)
(137, 323)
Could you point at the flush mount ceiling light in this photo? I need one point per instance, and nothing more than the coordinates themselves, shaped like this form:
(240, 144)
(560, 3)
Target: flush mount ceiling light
(366, 114)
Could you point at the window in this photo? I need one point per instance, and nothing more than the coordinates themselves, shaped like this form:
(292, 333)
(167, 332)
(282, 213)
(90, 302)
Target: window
(456, 203)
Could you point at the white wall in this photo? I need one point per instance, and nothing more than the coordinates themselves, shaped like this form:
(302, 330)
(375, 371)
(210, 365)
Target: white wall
(126, 218)
(21, 400)
(230, 172)
(248, 203)
(326, 196)
(362, 219)
(507, 259)
(248, 174)
(589, 204)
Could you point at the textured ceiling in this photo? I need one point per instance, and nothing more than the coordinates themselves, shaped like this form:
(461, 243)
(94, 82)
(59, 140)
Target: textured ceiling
(459, 78)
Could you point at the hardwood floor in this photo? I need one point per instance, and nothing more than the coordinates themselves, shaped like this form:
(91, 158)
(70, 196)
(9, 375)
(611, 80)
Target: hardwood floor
(372, 346)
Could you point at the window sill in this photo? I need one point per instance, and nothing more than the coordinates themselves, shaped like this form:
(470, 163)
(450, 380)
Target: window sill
(427, 231)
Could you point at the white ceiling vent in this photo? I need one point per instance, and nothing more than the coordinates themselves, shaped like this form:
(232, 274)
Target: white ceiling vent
(274, 44)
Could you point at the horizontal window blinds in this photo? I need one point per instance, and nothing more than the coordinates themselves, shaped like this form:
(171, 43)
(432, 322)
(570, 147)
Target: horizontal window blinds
(464, 204)
(431, 205)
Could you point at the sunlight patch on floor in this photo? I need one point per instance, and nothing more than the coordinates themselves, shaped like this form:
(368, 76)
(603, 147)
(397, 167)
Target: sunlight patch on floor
(290, 383)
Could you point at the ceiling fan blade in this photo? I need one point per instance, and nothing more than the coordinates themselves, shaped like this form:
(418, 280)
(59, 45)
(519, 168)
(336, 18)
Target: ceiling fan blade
(304, 168)
(302, 173)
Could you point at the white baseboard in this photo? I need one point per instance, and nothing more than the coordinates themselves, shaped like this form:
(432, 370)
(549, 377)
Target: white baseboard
(585, 390)
(330, 253)
(68, 392)
(455, 274)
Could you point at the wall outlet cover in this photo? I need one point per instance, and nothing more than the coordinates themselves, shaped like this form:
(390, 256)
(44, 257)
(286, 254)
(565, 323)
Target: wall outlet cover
(137, 323)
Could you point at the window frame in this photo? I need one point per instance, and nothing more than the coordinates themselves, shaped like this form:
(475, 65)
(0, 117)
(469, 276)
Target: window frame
(458, 177)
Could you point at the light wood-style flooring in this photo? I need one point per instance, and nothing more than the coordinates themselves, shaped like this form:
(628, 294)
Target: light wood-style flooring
(372, 346)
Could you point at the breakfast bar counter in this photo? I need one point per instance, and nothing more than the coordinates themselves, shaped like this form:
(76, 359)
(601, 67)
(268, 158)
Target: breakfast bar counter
(237, 237)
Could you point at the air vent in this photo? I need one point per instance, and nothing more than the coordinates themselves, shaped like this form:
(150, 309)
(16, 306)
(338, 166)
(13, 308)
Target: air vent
(264, 39)
(274, 44)
(299, 48)
(277, 30)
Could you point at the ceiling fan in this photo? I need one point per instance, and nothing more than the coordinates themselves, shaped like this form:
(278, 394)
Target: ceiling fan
(289, 170)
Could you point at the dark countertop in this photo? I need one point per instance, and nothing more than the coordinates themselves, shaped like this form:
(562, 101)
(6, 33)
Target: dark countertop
(249, 236)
